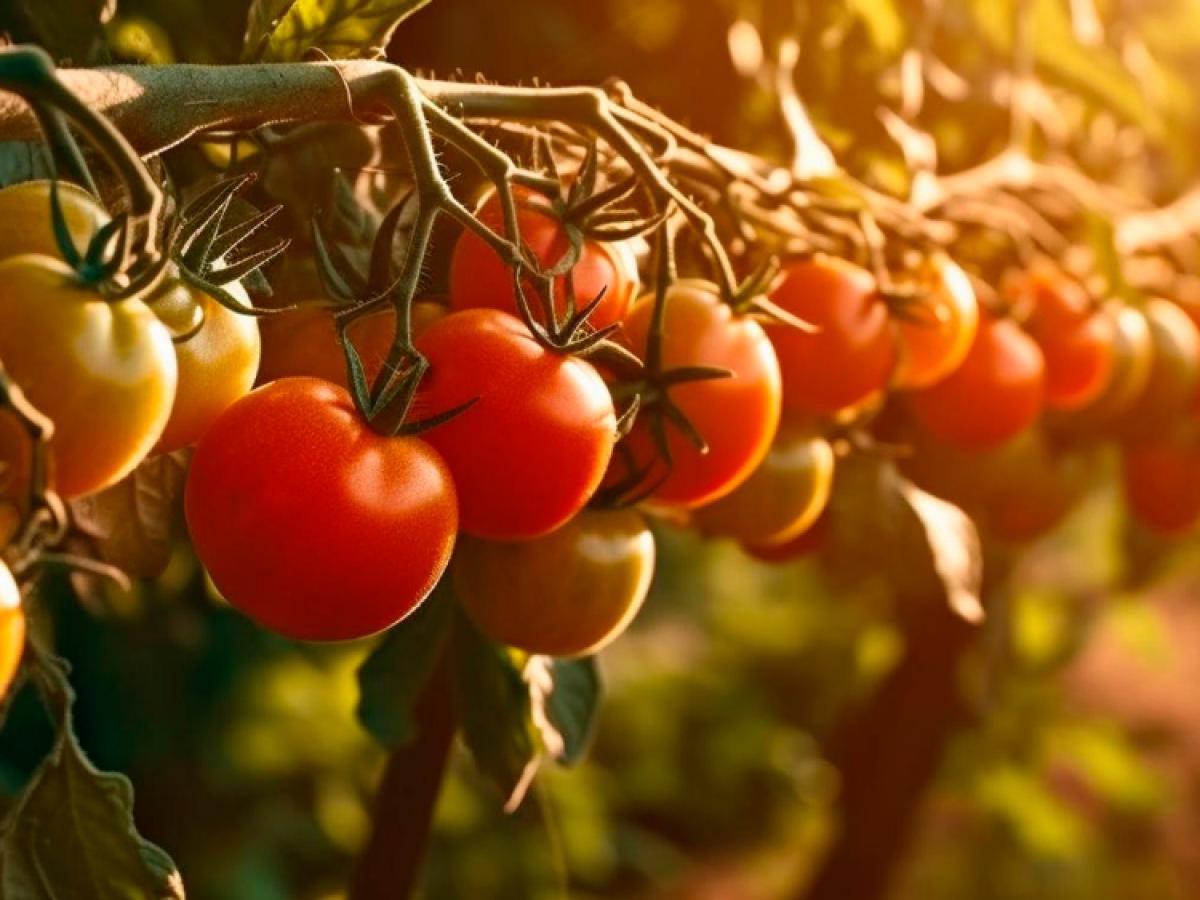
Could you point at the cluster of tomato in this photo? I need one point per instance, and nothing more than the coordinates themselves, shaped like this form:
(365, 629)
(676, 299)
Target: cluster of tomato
(321, 528)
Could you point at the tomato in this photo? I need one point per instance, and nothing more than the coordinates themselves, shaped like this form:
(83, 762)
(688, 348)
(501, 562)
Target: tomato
(1159, 477)
(806, 543)
(532, 449)
(311, 523)
(1032, 488)
(26, 225)
(105, 373)
(479, 278)
(936, 339)
(1174, 373)
(736, 416)
(1075, 340)
(569, 593)
(216, 365)
(12, 628)
(16, 470)
(850, 358)
(994, 395)
(303, 341)
(1133, 358)
(783, 496)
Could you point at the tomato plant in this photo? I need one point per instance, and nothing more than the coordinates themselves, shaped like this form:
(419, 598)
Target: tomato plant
(936, 331)
(782, 497)
(533, 446)
(994, 395)
(12, 628)
(479, 278)
(569, 593)
(217, 364)
(26, 225)
(311, 523)
(736, 416)
(104, 372)
(849, 359)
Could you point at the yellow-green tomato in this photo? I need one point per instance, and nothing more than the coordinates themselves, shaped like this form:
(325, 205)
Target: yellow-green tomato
(26, 224)
(568, 593)
(217, 364)
(103, 372)
(782, 498)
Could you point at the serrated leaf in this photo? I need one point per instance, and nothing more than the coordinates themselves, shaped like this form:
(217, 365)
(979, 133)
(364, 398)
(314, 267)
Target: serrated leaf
(391, 678)
(496, 713)
(131, 521)
(284, 30)
(573, 704)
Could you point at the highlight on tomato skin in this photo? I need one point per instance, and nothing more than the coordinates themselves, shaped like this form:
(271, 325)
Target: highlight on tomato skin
(993, 396)
(736, 416)
(804, 545)
(533, 446)
(292, 501)
(12, 628)
(850, 358)
(935, 331)
(568, 593)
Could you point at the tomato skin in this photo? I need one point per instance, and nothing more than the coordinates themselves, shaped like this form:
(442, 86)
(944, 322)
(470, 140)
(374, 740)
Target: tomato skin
(311, 523)
(1133, 359)
(808, 543)
(993, 396)
(26, 225)
(569, 593)
(1159, 478)
(217, 364)
(1075, 340)
(303, 341)
(936, 343)
(850, 359)
(736, 416)
(782, 497)
(480, 279)
(531, 451)
(104, 373)
(1174, 374)
(12, 628)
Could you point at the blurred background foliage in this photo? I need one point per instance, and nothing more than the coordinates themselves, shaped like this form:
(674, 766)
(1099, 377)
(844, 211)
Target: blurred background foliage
(1077, 774)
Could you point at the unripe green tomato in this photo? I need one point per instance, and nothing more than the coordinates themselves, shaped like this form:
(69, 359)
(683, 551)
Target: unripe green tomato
(568, 593)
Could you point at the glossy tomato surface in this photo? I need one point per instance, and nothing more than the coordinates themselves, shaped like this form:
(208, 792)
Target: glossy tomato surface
(311, 523)
(937, 331)
(26, 225)
(530, 451)
(569, 593)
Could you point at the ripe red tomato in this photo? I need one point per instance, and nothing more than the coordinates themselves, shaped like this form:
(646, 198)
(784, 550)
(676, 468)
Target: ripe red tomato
(736, 416)
(12, 628)
(935, 339)
(531, 451)
(479, 278)
(311, 523)
(994, 395)
(1075, 339)
(1159, 477)
(103, 372)
(569, 593)
(216, 365)
(849, 360)
(782, 497)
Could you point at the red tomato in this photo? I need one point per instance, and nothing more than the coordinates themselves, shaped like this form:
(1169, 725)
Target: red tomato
(12, 628)
(311, 523)
(531, 451)
(849, 360)
(935, 341)
(1160, 481)
(479, 278)
(736, 416)
(994, 395)
(1075, 339)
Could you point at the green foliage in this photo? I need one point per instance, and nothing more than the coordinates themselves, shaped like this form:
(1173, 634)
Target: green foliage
(573, 705)
(285, 30)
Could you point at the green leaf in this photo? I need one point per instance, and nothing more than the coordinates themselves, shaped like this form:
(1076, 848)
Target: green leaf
(391, 678)
(284, 30)
(71, 832)
(496, 712)
(573, 704)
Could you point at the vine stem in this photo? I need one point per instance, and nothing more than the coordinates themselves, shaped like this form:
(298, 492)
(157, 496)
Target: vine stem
(389, 866)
